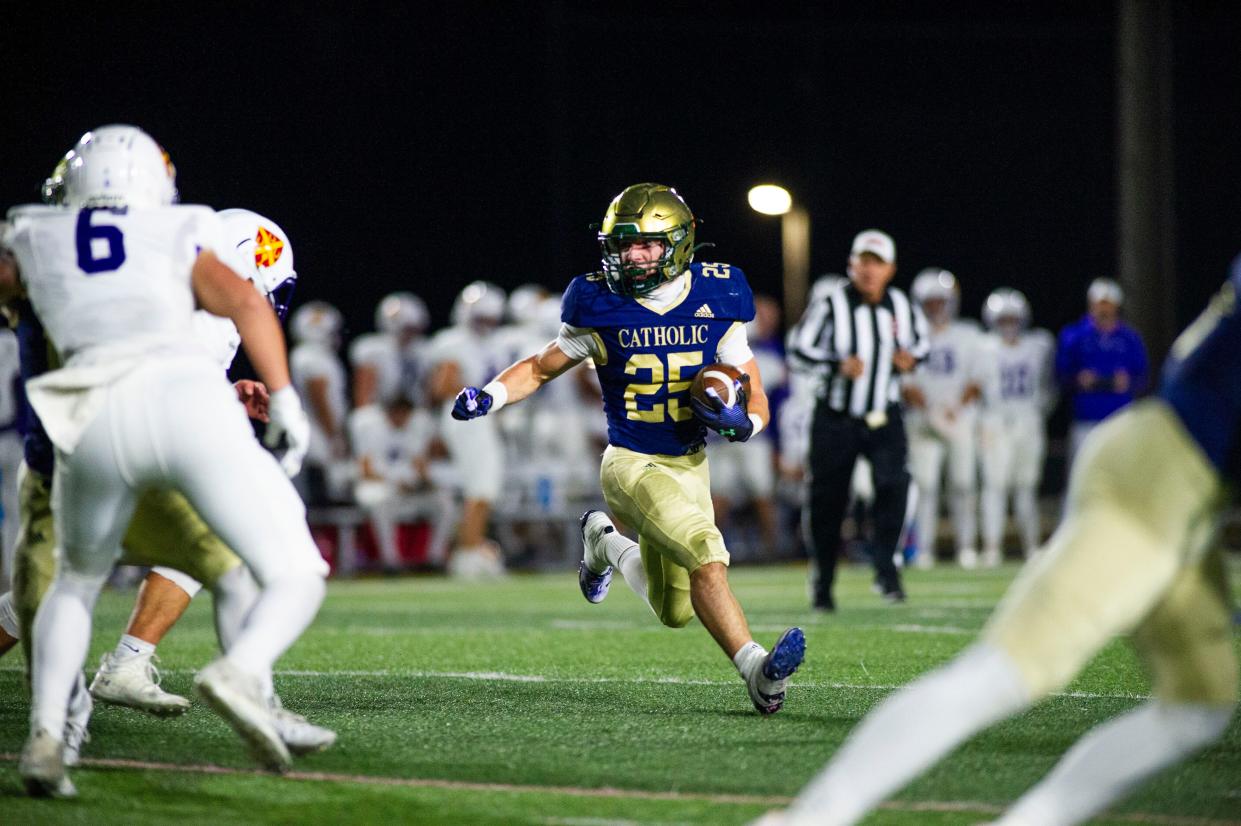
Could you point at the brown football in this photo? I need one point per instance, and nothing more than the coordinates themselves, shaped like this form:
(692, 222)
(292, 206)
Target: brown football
(720, 378)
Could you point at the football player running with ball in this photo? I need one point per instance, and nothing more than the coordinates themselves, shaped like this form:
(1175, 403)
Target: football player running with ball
(650, 321)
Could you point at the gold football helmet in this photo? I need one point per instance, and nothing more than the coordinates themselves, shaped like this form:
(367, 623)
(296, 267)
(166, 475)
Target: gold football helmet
(646, 212)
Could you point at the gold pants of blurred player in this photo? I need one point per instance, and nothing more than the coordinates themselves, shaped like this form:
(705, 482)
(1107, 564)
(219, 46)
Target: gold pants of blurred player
(1136, 553)
(165, 530)
(667, 499)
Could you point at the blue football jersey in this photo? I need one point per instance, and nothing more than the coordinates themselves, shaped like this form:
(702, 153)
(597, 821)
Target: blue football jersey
(36, 358)
(652, 356)
(1201, 380)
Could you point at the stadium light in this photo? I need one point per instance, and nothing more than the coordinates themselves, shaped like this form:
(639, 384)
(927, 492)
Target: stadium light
(771, 199)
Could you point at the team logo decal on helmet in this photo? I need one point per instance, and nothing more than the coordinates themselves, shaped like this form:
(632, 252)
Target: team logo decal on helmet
(267, 248)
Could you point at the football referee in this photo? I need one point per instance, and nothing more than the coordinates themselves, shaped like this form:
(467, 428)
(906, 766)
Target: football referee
(860, 337)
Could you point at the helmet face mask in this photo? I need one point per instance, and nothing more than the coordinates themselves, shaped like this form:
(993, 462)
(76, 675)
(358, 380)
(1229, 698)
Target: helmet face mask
(645, 213)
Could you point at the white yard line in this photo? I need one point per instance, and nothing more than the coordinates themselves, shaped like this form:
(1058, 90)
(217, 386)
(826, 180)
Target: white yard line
(507, 677)
(597, 792)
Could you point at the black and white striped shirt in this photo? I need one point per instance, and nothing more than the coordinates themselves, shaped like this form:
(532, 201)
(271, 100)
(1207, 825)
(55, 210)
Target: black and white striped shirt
(842, 324)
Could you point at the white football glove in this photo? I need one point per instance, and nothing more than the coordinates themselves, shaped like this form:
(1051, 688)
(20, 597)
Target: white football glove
(288, 419)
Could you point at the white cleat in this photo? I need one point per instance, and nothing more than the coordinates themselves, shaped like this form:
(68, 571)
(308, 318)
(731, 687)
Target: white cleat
(991, 558)
(298, 733)
(134, 682)
(42, 767)
(967, 558)
(80, 706)
(238, 698)
(594, 574)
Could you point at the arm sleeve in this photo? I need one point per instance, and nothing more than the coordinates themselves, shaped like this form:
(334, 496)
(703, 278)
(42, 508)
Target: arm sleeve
(579, 342)
(734, 347)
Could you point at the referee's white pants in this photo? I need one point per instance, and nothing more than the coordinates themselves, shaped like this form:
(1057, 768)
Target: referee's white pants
(171, 423)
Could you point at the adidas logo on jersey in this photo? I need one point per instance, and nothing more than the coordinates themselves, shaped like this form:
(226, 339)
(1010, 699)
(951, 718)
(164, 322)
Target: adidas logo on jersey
(704, 312)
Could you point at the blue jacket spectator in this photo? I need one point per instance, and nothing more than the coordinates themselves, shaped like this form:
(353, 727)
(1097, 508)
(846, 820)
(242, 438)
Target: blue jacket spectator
(1101, 361)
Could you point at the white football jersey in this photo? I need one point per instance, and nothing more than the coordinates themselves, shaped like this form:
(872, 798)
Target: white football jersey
(105, 281)
(1018, 377)
(953, 362)
(391, 450)
(315, 361)
(479, 357)
(10, 374)
(395, 367)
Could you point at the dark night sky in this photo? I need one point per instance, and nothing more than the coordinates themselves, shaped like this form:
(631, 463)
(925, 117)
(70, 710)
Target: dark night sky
(403, 148)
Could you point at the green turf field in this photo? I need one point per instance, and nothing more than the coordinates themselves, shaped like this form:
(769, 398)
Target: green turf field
(518, 702)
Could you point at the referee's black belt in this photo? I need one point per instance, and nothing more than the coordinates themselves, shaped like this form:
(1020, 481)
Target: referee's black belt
(873, 419)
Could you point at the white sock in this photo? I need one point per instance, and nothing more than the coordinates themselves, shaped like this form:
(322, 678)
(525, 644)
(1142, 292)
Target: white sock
(928, 518)
(233, 597)
(993, 516)
(965, 518)
(625, 556)
(130, 647)
(8, 615)
(285, 608)
(62, 631)
(910, 731)
(1025, 507)
(748, 659)
(1115, 757)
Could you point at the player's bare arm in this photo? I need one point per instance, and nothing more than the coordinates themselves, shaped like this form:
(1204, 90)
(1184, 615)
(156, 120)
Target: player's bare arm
(757, 397)
(514, 383)
(219, 290)
(528, 375)
(10, 283)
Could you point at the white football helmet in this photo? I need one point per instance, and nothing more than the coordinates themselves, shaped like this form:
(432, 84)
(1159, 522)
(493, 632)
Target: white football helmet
(1006, 304)
(479, 303)
(400, 312)
(264, 255)
(118, 165)
(317, 322)
(934, 284)
(524, 303)
(1105, 289)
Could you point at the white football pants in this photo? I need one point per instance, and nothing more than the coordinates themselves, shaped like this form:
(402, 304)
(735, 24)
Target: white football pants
(171, 422)
(927, 454)
(1012, 450)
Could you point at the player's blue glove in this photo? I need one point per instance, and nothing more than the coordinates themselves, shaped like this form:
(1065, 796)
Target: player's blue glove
(471, 403)
(733, 423)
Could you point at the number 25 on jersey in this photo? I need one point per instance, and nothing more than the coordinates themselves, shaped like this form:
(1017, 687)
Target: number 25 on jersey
(670, 377)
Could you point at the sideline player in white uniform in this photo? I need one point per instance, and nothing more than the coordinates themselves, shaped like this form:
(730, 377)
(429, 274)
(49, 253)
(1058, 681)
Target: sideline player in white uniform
(319, 376)
(1138, 553)
(1017, 396)
(391, 445)
(941, 398)
(139, 404)
(465, 354)
(388, 361)
(10, 450)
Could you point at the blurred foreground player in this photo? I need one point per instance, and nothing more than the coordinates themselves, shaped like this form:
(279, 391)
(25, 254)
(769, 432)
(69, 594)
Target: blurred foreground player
(139, 405)
(650, 321)
(1136, 553)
